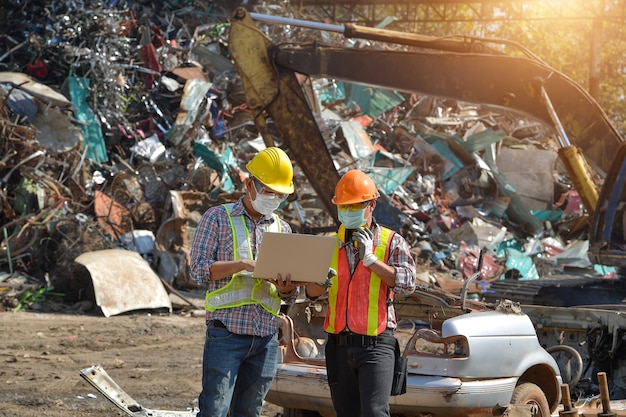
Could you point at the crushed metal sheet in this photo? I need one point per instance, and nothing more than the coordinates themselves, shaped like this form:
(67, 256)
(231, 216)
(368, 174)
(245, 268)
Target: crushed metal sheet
(100, 380)
(123, 281)
(528, 170)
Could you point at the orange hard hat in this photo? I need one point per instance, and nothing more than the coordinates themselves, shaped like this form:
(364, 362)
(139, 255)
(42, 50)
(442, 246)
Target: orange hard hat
(354, 187)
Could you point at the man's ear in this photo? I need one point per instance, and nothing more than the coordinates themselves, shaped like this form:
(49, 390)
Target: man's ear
(247, 183)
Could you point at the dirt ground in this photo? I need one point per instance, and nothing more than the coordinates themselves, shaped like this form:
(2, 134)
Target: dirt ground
(155, 358)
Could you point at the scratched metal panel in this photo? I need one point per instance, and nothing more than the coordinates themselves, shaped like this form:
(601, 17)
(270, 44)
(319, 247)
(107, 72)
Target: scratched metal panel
(123, 281)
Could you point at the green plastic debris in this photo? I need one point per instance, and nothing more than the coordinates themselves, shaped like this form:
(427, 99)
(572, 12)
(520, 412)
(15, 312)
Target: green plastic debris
(92, 131)
(219, 163)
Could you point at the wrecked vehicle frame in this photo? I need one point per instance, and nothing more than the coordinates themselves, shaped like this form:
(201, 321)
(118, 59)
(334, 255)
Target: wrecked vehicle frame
(452, 369)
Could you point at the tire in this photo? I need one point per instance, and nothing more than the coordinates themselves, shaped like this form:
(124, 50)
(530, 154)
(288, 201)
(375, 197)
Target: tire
(570, 363)
(529, 393)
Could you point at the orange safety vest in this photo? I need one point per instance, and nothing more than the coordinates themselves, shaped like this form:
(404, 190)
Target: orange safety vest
(358, 302)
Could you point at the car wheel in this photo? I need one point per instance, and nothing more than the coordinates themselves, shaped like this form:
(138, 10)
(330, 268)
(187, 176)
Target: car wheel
(529, 393)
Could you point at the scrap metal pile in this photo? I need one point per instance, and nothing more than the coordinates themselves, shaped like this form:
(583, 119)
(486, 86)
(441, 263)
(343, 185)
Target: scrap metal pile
(121, 122)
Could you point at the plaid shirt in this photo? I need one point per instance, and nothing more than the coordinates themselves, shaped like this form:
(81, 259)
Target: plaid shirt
(213, 242)
(399, 257)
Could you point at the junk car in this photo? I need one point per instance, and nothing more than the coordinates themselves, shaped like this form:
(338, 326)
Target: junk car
(461, 361)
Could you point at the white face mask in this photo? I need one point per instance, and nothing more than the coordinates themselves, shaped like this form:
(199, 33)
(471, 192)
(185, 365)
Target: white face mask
(265, 204)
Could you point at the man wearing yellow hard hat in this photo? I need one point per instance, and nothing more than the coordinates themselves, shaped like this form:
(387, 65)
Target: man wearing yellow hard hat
(372, 263)
(241, 349)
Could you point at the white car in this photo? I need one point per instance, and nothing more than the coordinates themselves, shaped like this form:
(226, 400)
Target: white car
(462, 362)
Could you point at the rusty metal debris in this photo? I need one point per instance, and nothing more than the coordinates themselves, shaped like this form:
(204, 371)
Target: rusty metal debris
(120, 123)
(119, 119)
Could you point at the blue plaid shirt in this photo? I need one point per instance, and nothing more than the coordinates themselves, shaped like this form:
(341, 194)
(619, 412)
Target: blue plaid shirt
(213, 242)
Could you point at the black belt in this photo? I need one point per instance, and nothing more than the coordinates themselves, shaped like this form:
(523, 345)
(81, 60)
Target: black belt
(217, 323)
(359, 340)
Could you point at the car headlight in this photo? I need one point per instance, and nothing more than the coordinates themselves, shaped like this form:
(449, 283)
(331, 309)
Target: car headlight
(428, 342)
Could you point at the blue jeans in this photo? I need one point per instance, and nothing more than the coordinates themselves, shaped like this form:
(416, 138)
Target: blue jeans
(237, 372)
(360, 378)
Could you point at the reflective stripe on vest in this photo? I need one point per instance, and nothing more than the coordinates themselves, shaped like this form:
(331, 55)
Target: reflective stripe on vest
(242, 290)
(358, 302)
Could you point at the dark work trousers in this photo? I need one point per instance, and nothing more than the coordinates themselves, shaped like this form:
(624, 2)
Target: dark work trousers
(360, 375)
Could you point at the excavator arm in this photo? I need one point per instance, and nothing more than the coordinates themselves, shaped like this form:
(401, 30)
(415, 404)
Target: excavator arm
(277, 92)
(470, 70)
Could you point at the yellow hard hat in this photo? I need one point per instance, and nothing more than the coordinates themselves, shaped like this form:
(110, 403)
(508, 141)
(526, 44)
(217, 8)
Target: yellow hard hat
(354, 187)
(272, 167)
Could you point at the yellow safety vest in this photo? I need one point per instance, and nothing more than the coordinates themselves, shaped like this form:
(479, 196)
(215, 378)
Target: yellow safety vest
(244, 290)
(358, 301)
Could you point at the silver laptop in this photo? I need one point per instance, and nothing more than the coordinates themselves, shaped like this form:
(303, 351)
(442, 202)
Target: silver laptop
(306, 257)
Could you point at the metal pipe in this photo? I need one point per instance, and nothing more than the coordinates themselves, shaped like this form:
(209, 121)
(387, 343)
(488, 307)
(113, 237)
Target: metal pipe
(604, 396)
(297, 22)
(466, 44)
(561, 135)
(15, 48)
(4, 180)
(568, 409)
(471, 279)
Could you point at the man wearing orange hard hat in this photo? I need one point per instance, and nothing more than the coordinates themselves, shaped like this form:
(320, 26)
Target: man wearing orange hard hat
(241, 349)
(372, 263)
